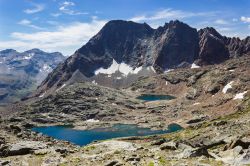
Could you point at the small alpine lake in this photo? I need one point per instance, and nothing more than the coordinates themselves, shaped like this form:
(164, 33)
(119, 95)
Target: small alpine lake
(84, 137)
(153, 97)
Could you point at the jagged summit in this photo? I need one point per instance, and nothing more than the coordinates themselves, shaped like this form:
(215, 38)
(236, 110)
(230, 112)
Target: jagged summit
(137, 46)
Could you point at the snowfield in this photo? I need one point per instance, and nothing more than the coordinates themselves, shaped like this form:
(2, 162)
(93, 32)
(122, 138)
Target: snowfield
(240, 95)
(122, 67)
(228, 86)
(194, 66)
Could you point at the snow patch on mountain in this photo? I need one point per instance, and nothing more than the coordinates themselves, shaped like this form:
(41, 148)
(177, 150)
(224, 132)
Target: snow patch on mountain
(228, 86)
(151, 68)
(94, 82)
(46, 68)
(122, 67)
(29, 56)
(42, 95)
(61, 87)
(168, 70)
(92, 120)
(194, 66)
(240, 95)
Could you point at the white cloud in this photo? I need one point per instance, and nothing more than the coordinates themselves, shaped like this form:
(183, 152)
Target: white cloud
(170, 14)
(24, 22)
(245, 19)
(28, 23)
(37, 8)
(55, 14)
(65, 5)
(66, 8)
(221, 22)
(65, 39)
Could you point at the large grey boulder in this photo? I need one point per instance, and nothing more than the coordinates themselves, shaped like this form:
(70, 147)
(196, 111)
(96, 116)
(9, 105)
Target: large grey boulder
(25, 147)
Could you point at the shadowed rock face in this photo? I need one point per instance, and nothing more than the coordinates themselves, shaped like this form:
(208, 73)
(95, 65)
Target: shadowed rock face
(177, 44)
(137, 45)
(212, 47)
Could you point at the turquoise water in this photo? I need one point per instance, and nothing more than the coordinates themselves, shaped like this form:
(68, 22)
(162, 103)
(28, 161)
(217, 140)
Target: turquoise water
(151, 97)
(84, 137)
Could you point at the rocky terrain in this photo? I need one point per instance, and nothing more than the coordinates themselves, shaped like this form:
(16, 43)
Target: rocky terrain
(212, 104)
(123, 50)
(21, 73)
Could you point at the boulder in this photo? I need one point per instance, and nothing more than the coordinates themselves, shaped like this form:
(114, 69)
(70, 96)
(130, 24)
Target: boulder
(2, 140)
(61, 150)
(5, 163)
(25, 147)
(28, 125)
(192, 80)
(169, 145)
(191, 94)
(112, 163)
(16, 119)
(243, 143)
(213, 89)
(158, 142)
(194, 152)
(15, 128)
(196, 120)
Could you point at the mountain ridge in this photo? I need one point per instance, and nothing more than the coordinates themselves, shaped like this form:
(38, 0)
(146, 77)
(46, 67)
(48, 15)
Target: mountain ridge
(173, 45)
(21, 72)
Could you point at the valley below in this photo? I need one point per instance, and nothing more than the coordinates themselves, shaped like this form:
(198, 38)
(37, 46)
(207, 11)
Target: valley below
(210, 104)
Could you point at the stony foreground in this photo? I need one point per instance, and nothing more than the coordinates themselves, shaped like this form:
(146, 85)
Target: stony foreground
(224, 141)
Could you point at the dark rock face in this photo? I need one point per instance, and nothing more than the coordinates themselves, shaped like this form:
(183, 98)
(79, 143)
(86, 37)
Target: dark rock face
(177, 44)
(212, 47)
(118, 40)
(237, 47)
(174, 45)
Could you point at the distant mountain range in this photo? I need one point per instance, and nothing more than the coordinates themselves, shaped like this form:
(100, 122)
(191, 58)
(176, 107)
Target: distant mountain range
(20, 73)
(125, 50)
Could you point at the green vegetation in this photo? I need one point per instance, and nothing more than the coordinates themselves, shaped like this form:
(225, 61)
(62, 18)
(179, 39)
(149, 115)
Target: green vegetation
(151, 163)
(89, 148)
(162, 161)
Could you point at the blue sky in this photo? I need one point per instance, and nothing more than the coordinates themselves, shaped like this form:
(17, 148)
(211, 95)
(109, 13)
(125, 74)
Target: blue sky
(59, 25)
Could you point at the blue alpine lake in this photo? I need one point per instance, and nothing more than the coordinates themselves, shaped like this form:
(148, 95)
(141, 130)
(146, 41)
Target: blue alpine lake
(84, 137)
(152, 97)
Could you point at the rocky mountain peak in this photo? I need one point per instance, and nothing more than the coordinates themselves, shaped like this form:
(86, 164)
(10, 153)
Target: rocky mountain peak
(136, 46)
(34, 50)
(178, 43)
(210, 31)
(213, 49)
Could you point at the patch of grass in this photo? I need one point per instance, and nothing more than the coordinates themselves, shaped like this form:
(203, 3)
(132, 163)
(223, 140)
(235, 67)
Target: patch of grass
(162, 161)
(151, 163)
(89, 148)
